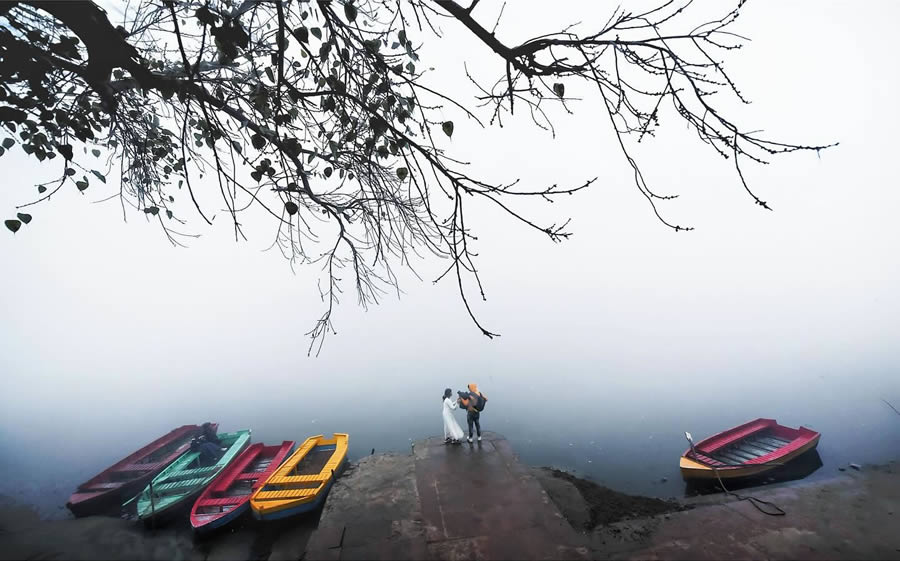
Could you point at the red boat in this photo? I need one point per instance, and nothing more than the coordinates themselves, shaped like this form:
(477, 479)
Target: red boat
(228, 496)
(127, 477)
(747, 450)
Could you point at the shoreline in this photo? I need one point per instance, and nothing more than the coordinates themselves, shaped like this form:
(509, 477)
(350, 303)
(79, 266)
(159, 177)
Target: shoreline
(825, 518)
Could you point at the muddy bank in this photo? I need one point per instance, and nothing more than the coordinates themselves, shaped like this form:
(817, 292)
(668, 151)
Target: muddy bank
(587, 505)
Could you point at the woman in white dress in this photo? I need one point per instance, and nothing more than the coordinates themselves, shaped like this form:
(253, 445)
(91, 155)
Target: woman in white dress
(453, 433)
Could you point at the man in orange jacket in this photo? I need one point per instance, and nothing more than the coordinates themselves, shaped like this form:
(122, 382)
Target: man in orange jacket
(473, 404)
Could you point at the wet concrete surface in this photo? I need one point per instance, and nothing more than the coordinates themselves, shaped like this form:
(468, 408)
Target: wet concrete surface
(854, 516)
(468, 501)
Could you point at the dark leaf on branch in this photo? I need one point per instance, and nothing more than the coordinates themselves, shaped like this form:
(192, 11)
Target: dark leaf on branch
(350, 11)
(8, 143)
(258, 141)
(447, 127)
(13, 225)
(205, 16)
(559, 89)
(65, 150)
(302, 34)
(26, 218)
(402, 173)
(291, 207)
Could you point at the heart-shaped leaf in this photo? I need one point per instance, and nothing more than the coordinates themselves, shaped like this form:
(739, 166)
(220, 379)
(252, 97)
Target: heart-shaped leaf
(448, 128)
(13, 225)
(402, 173)
(26, 218)
(559, 89)
(350, 11)
(302, 34)
(291, 207)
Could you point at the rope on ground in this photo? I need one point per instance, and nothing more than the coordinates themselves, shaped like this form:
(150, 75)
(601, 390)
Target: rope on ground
(753, 500)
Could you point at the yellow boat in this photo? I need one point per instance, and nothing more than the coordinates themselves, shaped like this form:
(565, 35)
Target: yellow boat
(303, 480)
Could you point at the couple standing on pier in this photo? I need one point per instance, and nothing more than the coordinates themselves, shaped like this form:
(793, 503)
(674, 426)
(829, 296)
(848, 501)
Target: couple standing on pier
(473, 402)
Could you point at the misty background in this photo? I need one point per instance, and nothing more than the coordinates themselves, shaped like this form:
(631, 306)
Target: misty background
(613, 342)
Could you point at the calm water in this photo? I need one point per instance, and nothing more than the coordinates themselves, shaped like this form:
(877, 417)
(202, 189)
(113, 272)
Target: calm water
(623, 431)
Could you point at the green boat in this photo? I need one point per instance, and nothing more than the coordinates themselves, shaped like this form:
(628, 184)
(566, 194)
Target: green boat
(184, 479)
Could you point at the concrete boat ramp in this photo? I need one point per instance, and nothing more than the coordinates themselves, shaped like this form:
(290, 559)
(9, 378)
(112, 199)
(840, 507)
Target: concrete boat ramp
(468, 501)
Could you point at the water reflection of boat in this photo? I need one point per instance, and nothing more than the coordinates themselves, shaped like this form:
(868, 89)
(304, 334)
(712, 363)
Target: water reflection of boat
(746, 451)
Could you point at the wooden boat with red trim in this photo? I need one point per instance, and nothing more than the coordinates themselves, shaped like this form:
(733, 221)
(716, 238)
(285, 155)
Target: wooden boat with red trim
(228, 496)
(746, 450)
(125, 478)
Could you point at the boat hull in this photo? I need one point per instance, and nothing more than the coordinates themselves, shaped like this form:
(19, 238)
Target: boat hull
(228, 496)
(746, 451)
(90, 504)
(302, 483)
(691, 469)
(302, 507)
(181, 483)
(202, 524)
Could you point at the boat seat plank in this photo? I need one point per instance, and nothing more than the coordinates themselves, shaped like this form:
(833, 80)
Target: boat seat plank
(286, 494)
(224, 501)
(177, 486)
(798, 443)
(774, 440)
(763, 445)
(755, 450)
(299, 479)
(205, 470)
(707, 460)
(727, 458)
(251, 475)
(741, 454)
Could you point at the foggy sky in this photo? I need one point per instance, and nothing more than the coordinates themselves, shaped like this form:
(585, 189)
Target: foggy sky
(105, 322)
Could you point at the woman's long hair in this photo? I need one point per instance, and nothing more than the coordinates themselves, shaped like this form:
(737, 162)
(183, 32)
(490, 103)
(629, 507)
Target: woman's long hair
(447, 393)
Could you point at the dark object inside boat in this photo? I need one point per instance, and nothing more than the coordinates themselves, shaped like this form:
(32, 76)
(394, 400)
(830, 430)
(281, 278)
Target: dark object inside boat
(210, 452)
